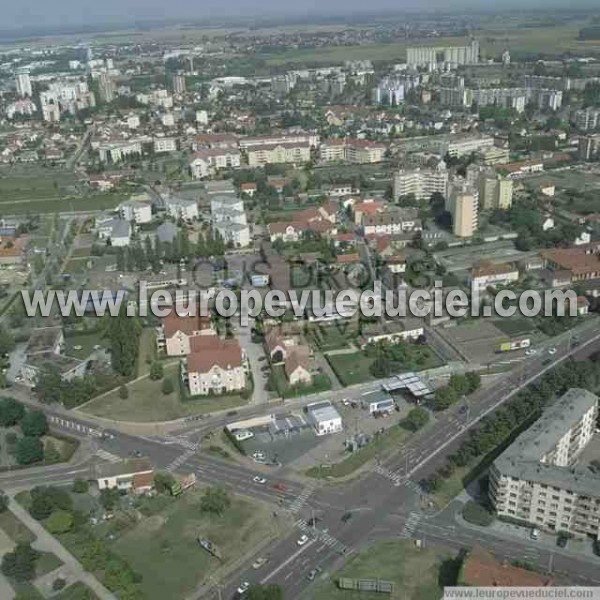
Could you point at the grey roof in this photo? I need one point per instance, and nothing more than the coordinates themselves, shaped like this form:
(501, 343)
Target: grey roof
(177, 201)
(322, 411)
(522, 458)
(125, 467)
(166, 232)
(120, 229)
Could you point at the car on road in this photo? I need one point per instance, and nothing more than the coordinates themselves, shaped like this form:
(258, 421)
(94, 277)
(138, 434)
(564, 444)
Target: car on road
(259, 479)
(258, 456)
(302, 540)
(244, 587)
(259, 562)
(346, 402)
(535, 534)
(530, 351)
(311, 576)
(552, 350)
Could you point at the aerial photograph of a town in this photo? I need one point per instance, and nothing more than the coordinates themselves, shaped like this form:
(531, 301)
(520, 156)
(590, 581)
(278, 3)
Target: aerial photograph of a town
(299, 301)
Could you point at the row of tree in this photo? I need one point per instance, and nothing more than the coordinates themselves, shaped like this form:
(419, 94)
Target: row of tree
(458, 387)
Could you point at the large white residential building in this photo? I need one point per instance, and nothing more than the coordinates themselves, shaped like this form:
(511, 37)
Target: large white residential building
(421, 182)
(587, 119)
(181, 208)
(426, 56)
(463, 204)
(165, 144)
(114, 152)
(229, 219)
(537, 479)
(23, 82)
(206, 162)
(138, 212)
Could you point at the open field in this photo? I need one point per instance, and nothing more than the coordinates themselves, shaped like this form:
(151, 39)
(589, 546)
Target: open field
(146, 402)
(351, 368)
(417, 574)
(94, 202)
(14, 528)
(77, 591)
(169, 539)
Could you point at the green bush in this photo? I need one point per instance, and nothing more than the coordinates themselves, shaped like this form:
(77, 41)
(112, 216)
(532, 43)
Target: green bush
(477, 514)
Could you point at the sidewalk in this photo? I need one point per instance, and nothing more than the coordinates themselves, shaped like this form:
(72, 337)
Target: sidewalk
(46, 543)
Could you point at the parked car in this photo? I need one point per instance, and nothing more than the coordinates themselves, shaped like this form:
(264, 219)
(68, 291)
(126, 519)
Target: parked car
(562, 539)
(302, 540)
(243, 588)
(311, 576)
(535, 534)
(552, 350)
(259, 479)
(259, 562)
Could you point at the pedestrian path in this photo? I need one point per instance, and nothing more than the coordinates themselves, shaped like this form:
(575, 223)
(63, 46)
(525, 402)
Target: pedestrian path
(108, 456)
(181, 441)
(180, 460)
(322, 536)
(411, 524)
(393, 476)
(302, 499)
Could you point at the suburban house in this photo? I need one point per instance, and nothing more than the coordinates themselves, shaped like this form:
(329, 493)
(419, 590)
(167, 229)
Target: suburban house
(319, 220)
(45, 351)
(176, 332)
(135, 474)
(297, 365)
(214, 366)
(488, 274)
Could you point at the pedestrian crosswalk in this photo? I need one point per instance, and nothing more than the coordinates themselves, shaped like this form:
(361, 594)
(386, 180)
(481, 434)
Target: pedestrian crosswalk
(322, 536)
(393, 476)
(180, 460)
(411, 524)
(301, 499)
(108, 456)
(181, 441)
(415, 487)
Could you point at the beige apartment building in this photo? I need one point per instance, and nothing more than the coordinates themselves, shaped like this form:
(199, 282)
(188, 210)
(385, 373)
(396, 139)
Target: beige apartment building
(421, 182)
(352, 151)
(537, 478)
(463, 206)
(278, 153)
(495, 191)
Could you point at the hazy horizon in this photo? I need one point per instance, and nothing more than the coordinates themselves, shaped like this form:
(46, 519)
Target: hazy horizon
(64, 14)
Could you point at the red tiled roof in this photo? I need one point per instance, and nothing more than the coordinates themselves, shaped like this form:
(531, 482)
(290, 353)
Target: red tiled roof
(298, 356)
(143, 481)
(208, 351)
(173, 323)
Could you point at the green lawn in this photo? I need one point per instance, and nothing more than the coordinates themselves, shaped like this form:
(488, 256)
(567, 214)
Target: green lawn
(14, 528)
(87, 341)
(417, 574)
(389, 440)
(351, 368)
(331, 338)
(147, 403)
(515, 327)
(61, 204)
(169, 540)
(77, 591)
(46, 563)
(147, 352)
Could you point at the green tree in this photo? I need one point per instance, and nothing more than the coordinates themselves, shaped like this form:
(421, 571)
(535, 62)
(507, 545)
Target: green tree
(7, 341)
(34, 423)
(215, 501)
(29, 450)
(4, 501)
(48, 385)
(109, 498)
(123, 333)
(123, 392)
(416, 418)
(80, 486)
(60, 521)
(163, 482)
(445, 397)
(20, 563)
(157, 371)
(11, 412)
(167, 386)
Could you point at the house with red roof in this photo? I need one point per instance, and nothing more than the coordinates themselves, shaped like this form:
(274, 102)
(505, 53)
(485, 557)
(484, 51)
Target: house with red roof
(214, 366)
(176, 332)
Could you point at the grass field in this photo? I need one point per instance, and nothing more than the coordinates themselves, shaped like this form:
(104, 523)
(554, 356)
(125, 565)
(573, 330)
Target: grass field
(391, 439)
(86, 341)
(351, 368)
(169, 539)
(14, 528)
(514, 327)
(417, 574)
(58, 204)
(77, 591)
(46, 563)
(147, 353)
(146, 402)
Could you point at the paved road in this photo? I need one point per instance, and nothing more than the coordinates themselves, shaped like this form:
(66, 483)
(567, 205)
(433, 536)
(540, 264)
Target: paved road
(368, 499)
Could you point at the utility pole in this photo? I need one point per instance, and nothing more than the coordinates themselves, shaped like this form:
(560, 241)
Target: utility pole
(550, 563)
